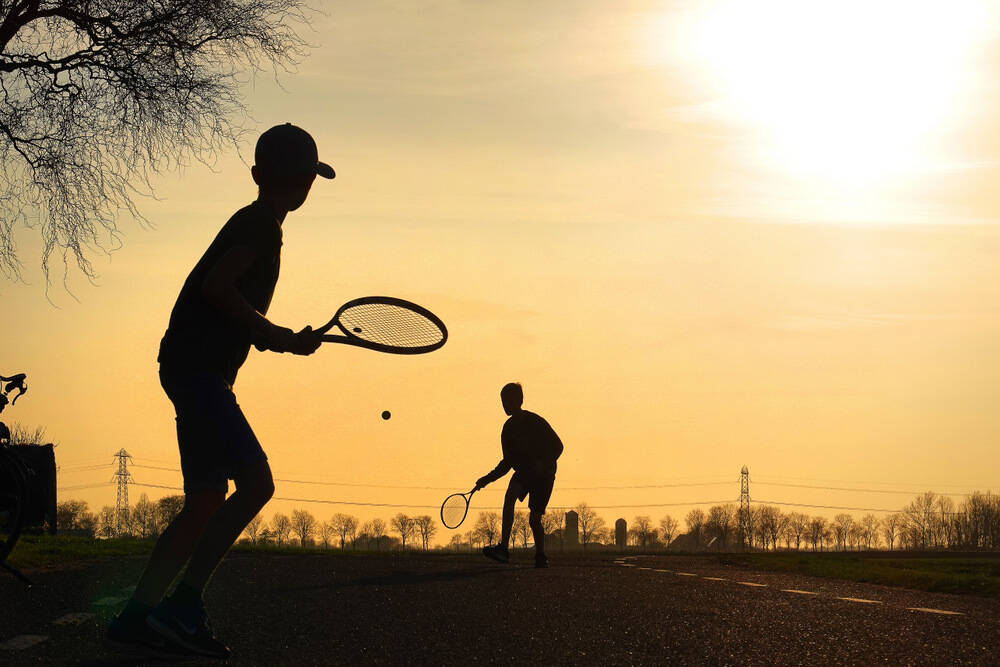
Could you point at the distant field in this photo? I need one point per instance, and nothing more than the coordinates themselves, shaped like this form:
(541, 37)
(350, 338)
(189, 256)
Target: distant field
(970, 574)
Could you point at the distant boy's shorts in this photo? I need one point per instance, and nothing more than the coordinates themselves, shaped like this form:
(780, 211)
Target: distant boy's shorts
(215, 439)
(538, 488)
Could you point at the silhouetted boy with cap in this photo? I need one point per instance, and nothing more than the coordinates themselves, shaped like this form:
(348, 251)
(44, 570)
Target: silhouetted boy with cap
(530, 448)
(219, 313)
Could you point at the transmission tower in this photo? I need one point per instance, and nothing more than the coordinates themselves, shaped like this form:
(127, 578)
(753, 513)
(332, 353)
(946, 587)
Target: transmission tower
(123, 477)
(745, 507)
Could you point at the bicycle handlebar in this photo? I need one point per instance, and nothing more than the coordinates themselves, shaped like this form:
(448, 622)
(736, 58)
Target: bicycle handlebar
(13, 382)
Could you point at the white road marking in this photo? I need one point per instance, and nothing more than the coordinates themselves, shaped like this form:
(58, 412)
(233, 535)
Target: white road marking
(21, 642)
(927, 610)
(76, 618)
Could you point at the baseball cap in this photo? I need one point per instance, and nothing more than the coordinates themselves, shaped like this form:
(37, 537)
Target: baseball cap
(289, 148)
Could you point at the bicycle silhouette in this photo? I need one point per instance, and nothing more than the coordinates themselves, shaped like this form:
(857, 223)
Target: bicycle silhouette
(15, 480)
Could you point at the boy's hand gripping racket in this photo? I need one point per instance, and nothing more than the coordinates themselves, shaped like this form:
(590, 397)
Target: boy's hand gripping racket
(386, 324)
(454, 508)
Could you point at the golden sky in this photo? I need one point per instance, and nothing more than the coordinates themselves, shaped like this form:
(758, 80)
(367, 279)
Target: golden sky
(700, 234)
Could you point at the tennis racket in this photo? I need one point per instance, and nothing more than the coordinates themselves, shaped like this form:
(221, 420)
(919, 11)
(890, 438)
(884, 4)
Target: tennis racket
(386, 324)
(454, 508)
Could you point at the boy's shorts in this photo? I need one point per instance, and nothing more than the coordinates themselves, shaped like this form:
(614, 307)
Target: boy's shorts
(538, 488)
(215, 439)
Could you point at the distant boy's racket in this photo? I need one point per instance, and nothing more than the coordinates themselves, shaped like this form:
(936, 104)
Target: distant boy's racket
(454, 508)
(386, 324)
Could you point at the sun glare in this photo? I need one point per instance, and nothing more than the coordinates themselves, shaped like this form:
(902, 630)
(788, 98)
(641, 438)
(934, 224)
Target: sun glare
(857, 92)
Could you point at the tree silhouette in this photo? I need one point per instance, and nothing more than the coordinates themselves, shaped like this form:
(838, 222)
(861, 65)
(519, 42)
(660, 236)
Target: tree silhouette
(695, 519)
(589, 522)
(376, 531)
(720, 523)
(817, 532)
(99, 95)
(167, 508)
(796, 527)
(425, 528)
(668, 529)
(75, 515)
(487, 527)
(326, 532)
(403, 525)
(552, 524)
(281, 528)
(303, 525)
(254, 528)
(143, 517)
(346, 527)
(520, 530)
(641, 530)
(106, 522)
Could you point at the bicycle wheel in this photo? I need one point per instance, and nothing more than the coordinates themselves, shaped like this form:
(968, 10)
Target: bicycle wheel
(13, 487)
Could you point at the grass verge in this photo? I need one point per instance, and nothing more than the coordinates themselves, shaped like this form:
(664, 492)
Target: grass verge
(968, 575)
(40, 551)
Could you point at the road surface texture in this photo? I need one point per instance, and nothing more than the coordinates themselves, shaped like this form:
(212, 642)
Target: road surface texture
(440, 609)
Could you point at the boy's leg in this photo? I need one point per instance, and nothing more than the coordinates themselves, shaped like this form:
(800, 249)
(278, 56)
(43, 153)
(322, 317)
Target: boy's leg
(539, 501)
(181, 618)
(254, 487)
(514, 491)
(500, 552)
(535, 521)
(175, 546)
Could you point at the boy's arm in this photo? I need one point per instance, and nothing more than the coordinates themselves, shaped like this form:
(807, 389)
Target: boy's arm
(502, 469)
(219, 289)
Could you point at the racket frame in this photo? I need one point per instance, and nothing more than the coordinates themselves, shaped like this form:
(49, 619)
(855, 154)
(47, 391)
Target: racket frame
(468, 499)
(350, 338)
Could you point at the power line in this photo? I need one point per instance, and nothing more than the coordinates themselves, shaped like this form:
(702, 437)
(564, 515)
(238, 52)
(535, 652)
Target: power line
(83, 486)
(827, 507)
(406, 506)
(854, 481)
(452, 488)
(837, 488)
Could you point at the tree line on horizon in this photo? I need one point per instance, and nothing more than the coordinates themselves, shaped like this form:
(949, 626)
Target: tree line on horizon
(929, 521)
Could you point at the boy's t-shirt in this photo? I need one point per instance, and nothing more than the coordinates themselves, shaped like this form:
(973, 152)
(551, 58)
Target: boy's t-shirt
(529, 443)
(200, 338)
(530, 446)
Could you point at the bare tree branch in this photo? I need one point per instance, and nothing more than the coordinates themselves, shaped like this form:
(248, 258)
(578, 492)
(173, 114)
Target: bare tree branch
(97, 96)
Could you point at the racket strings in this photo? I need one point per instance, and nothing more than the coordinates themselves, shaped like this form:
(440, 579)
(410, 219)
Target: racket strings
(392, 325)
(453, 510)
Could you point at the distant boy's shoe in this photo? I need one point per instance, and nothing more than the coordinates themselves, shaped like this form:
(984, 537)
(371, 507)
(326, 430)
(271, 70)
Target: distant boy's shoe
(129, 634)
(497, 553)
(188, 627)
(541, 561)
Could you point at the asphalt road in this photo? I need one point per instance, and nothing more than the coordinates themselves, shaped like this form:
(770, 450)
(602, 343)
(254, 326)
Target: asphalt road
(459, 609)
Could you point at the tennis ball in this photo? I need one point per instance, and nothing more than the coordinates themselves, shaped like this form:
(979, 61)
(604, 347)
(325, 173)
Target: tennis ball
(386, 414)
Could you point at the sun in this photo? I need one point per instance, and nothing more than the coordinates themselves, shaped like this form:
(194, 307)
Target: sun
(855, 92)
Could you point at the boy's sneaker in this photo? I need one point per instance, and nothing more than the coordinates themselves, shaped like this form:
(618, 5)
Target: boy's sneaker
(188, 627)
(497, 553)
(541, 561)
(130, 634)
